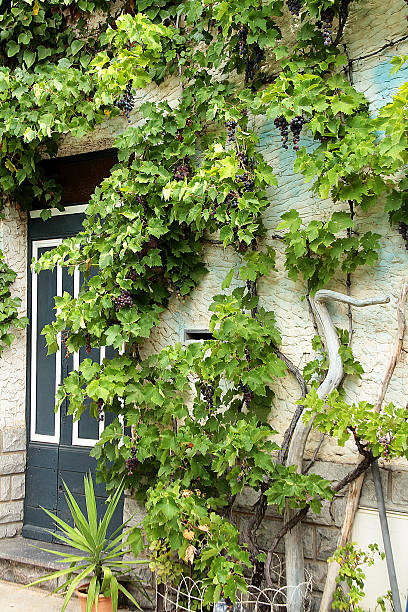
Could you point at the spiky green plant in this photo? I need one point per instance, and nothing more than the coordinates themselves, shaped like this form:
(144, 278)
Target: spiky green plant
(101, 558)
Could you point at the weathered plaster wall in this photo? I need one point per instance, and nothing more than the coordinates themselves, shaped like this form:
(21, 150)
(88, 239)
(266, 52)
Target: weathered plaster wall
(13, 241)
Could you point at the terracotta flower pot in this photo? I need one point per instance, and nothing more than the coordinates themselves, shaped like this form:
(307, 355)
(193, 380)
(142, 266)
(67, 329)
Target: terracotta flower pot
(104, 603)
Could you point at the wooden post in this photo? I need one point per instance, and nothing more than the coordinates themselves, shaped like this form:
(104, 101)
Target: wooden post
(344, 537)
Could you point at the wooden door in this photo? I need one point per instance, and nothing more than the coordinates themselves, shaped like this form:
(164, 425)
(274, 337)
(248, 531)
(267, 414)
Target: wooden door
(58, 448)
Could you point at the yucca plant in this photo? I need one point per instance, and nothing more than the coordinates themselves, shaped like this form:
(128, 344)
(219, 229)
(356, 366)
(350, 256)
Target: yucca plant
(101, 558)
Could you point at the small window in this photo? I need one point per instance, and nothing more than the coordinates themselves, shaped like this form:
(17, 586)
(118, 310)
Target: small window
(193, 335)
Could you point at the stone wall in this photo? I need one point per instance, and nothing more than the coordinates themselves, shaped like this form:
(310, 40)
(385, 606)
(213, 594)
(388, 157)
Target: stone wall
(320, 532)
(13, 242)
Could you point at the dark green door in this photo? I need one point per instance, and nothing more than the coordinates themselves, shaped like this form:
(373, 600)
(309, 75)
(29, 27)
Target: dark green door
(58, 448)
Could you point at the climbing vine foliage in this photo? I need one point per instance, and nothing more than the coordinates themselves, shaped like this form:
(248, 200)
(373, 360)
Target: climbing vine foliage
(190, 174)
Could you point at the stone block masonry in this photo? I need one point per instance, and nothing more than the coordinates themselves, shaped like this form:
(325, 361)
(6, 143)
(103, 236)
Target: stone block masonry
(321, 531)
(12, 480)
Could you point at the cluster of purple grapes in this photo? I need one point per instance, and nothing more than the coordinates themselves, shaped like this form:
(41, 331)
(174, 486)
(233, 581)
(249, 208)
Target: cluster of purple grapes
(131, 463)
(403, 230)
(327, 24)
(247, 393)
(207, 392)
(242, 246)
(214, 208)
(385, 440)
(231, 127)
(294, 7)
(124, 300)
(182, 171)
(248, 182)
(88, 347)
(296, 127)
(231, 201)
(100, 405)
(243, 157)
(253, 62)
(283, 126)
(242, 40)
(128, 101)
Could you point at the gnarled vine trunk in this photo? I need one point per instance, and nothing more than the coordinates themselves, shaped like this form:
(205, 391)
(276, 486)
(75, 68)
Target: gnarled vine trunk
(295, 570)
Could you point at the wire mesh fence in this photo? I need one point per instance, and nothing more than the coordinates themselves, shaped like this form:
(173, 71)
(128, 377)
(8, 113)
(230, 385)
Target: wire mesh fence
(189, 596)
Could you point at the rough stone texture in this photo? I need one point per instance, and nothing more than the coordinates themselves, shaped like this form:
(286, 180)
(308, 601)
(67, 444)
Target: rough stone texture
(14, 439)
(368, 498)
(12, 463)
(11, 512)
(17, 486)
(5, 488)
(13, 242)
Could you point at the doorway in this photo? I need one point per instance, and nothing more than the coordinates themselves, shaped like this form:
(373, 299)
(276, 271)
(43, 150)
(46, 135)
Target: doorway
(58, 448)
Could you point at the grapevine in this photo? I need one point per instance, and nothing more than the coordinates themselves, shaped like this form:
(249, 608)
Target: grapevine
(127, 103)
(177, 187)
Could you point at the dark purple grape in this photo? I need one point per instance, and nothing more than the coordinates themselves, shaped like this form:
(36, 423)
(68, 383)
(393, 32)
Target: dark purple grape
(248, 183)
(243, 158)
(294, 7)
(247, 393)
(124, 300)
(231, 126)
(127, 102)
(283, 126)
(327, 17)
(231, 201)
(207, 393)
(100, 405)
(403, 229)
(385, 439)
(182, 171)
(242, 40)
(296, 125)
(214, 208)
(132, 462)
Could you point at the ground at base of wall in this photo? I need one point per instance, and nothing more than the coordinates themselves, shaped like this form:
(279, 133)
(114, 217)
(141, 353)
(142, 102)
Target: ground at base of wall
(14, 597)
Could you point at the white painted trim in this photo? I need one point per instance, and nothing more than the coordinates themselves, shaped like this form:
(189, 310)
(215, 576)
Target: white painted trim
(69, 210)
(76, 439)
(37, 244)
(374, 512)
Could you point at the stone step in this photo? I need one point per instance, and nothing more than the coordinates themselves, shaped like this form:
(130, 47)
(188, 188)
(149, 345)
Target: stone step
(22, 562)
